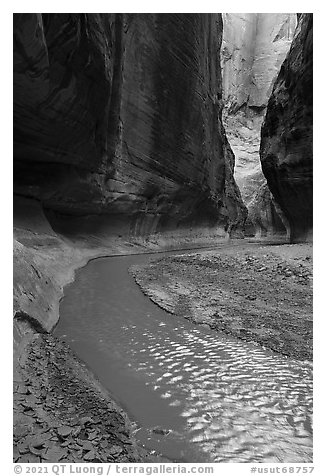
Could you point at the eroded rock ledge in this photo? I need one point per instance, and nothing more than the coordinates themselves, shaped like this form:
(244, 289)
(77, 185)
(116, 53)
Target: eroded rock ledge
(57, 400)
(46, 372)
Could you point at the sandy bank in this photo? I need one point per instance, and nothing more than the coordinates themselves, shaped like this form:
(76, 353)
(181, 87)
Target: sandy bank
(254, 292)
(45, 369)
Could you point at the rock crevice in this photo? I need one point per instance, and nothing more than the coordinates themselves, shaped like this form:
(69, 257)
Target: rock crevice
(254, 46)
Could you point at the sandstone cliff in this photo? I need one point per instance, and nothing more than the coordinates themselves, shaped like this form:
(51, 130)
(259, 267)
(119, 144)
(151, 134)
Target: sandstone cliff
(120, 114)
(254, 47)
(286, 137)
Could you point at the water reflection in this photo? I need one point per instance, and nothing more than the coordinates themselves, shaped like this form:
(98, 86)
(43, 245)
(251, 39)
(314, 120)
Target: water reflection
(196, 395)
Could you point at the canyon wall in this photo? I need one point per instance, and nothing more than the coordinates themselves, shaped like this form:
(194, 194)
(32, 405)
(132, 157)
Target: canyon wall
(120, 115)
(119, 146)
(287, 134)
(254, 47)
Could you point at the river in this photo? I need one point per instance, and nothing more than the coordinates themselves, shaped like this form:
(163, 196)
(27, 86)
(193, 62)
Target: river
(195, 395)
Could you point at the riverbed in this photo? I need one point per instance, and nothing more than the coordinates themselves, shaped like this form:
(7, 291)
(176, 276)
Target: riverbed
(195, 395)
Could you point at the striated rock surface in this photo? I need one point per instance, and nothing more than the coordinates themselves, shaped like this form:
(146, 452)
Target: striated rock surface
(120, 114)
(265, 216)
(286, 137)
(254, 47)
(237, 56)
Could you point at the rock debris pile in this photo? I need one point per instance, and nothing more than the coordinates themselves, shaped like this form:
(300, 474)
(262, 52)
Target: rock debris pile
(59, 416)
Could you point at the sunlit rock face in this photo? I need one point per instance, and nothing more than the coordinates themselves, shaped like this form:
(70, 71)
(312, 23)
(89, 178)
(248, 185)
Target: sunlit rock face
(120, 114)
(286, 138)
(254, 47)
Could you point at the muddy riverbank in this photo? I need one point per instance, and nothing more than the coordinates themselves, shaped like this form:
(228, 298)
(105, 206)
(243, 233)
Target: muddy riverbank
(48, 373)
(195, 394)
(257, 293)
(45, 262)
(62, 413)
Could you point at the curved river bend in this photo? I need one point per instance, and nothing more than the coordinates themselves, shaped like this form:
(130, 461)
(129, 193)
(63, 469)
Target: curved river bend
(196, 395)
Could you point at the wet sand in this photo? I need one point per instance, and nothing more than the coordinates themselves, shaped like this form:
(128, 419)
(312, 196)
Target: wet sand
(257, 292)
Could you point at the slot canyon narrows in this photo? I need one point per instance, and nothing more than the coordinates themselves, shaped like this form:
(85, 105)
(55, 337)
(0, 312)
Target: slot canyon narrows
(162, 238)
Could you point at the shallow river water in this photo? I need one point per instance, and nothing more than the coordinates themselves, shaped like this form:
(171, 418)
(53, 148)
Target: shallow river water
(217, 398)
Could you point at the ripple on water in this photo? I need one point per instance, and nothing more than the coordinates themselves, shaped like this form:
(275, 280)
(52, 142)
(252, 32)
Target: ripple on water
(223, 400)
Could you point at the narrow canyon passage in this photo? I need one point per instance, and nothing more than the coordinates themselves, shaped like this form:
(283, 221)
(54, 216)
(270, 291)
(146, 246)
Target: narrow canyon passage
(147, 132)
(195, 395)
(253, 49)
